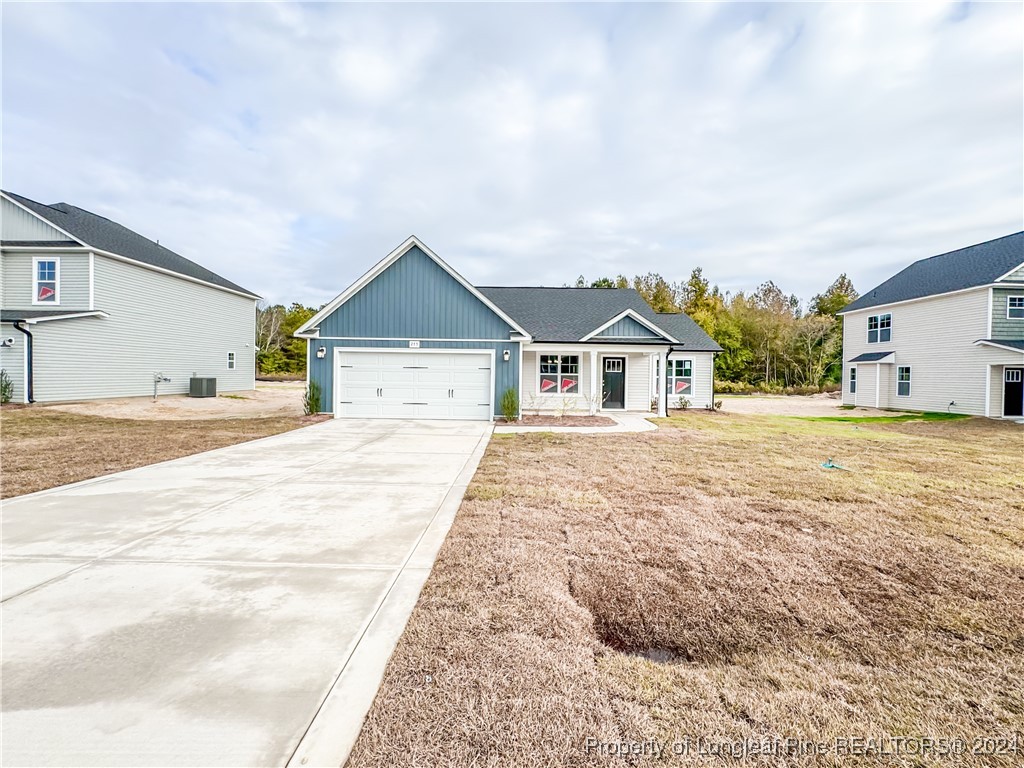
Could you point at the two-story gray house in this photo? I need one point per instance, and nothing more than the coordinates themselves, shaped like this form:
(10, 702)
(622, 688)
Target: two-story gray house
(91, 309)
(945, 334)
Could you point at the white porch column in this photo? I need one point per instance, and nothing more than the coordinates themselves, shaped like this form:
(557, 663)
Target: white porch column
(593, 382)
(878, 385)
(662, 395)
(988, 384)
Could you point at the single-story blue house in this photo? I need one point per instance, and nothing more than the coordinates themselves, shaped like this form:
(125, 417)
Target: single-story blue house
(413, 339)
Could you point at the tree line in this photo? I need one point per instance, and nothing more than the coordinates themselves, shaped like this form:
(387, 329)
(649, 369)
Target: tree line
(768, 339)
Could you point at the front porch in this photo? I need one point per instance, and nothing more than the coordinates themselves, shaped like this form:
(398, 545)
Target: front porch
(592, 379)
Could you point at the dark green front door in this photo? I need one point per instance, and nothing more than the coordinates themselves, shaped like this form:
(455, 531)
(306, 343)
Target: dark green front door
(614, 383)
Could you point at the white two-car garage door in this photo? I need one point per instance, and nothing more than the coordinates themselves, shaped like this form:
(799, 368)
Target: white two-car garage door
(413, 385)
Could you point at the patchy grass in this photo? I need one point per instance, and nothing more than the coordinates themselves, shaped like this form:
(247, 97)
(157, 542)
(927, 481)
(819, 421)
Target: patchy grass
(44, 448)
(925, 416)
(712, 580)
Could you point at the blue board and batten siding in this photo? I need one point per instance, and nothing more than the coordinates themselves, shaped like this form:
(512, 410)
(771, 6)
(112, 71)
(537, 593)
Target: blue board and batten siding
(627, 328)
(414, 299)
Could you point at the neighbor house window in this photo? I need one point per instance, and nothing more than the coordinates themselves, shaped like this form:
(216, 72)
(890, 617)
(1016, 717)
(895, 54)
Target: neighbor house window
(1015, 307)
(903, 381)
(680, 377)
(853, 381)
(879, 328)
(46, 285)
(559, 374)
(231, 361)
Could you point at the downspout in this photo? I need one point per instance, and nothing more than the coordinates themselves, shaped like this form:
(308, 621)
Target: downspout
(713, 381)
(28, 353)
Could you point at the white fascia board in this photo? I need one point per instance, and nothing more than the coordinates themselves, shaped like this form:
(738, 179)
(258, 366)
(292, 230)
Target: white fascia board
(876, 307)
(636, 316)
(34, 320)
(386, 262)
(1003, 277)
(43, 219)
(987, 343)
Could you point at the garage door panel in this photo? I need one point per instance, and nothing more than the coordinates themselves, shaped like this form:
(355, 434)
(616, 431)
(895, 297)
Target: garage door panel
(398, 410)
(432, 393)
(398, 376)
(414, 385)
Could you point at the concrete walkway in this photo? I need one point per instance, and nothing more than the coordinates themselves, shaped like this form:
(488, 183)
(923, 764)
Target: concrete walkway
(235, 607)
(624, 422)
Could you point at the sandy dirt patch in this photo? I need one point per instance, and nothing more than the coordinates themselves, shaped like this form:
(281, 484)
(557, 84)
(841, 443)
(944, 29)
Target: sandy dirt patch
(795, 405)
(269, 399)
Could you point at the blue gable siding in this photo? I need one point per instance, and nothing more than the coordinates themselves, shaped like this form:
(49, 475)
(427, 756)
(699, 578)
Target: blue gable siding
(627, 328)
(414, 299)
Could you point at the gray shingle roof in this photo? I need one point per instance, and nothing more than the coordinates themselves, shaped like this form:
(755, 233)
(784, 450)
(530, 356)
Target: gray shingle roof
(870, 357)
(967, 267)
(40, 243)
(569, 314)
(105, 235)
(11, 315)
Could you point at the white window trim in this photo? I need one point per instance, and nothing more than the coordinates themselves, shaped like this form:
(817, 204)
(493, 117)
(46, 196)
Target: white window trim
(231, 361)
(851, 381)
(35, 281)
(578, 374)
(867, 333)
(910, 379)
(671, 377)
(1015, 296)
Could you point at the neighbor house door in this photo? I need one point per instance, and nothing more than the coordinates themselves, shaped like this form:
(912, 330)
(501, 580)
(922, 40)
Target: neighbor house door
(1013, 392)
(614, 383)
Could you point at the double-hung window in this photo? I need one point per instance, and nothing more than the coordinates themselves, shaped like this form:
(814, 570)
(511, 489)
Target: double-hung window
(559, 374)
(46, 281)
(231, 361)
(853, 381)
(879, 328)
(903, 381)
(680, 377)
(1015, 307)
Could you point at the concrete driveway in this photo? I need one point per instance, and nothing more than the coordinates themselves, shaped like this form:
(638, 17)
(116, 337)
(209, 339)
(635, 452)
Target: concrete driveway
(236, 607)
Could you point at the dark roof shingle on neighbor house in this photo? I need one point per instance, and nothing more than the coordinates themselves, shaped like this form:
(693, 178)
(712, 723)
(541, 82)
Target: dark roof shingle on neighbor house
(569, 314)
(106, 235)
(969, 267)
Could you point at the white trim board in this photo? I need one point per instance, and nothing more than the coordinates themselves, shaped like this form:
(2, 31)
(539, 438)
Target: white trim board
(43, 219)
(638, 318)
(877, 307)
(1003, 277)
(386, 262)
(986, 343)
(92, 313)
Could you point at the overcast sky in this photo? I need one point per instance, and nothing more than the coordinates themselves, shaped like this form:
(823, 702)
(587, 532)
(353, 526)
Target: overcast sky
(289, 147)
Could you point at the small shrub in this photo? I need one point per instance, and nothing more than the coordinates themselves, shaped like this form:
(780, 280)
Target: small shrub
(682, 404)
(718, 405)
(311, 398)
(510, 404)
(6, 387)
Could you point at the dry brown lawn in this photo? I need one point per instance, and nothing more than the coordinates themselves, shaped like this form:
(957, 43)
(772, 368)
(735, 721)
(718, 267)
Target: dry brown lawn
(45, 447)
(711, 580)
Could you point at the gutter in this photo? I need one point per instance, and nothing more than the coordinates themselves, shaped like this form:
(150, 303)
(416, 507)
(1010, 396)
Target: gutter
(28, 353)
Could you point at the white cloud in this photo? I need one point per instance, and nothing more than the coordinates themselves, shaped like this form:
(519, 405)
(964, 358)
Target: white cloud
(289, 147)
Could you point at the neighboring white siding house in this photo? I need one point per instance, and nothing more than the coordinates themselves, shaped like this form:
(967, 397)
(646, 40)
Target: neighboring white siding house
(118, 311)
(954, 349)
